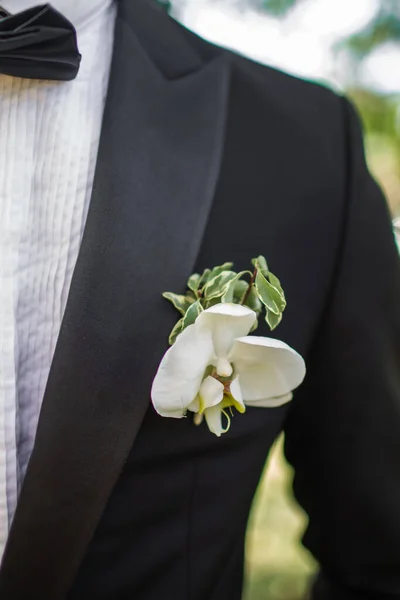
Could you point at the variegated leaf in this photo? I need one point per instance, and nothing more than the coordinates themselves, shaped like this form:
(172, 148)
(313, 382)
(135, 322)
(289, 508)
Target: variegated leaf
(216, 287)
(218, 270)
(228, 295)
(191, 314)
(175, 332)
(181, 303)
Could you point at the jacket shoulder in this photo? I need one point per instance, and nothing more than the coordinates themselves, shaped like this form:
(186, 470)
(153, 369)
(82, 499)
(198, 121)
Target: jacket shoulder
(292, 92)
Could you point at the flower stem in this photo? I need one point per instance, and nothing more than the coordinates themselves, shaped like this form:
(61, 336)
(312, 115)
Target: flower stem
(252, 280)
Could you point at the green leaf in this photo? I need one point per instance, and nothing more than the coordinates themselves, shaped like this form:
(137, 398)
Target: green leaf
(279, 297)
(229, 291)
(272, 319)
(216, 287)
(277, 285)
(240, 290)
(218, 270)
(197, 282)
(204, 278)
(193, 282)
(260, 264)
(175, 332)
(191, 314)
(210, 303)
(181, 303)
(228, 295)
(267, 293)
(253, 301)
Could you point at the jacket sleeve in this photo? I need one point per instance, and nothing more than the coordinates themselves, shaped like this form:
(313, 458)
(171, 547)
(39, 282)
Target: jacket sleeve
(342, 434)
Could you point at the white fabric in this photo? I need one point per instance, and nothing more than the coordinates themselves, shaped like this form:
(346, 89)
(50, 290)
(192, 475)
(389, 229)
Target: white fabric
(79, 12)
(49, 136)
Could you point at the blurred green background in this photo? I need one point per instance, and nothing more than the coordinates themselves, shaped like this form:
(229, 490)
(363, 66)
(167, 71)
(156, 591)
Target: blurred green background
(277, 566)
(352, 46)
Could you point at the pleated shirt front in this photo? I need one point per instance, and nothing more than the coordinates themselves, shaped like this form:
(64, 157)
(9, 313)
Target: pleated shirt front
(49, 137)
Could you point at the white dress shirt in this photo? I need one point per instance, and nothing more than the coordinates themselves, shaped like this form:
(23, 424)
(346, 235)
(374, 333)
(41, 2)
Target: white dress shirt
(49, 136)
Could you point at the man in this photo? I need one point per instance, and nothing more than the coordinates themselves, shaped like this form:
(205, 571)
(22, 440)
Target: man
(204, 157)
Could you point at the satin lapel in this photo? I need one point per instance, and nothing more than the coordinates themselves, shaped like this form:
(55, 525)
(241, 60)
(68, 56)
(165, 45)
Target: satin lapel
(158, 163)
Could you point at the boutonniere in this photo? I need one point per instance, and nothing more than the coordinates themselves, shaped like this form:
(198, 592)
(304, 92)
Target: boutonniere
(214, 366)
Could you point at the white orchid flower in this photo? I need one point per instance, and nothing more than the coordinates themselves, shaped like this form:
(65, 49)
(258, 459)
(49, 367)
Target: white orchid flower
(214, 365)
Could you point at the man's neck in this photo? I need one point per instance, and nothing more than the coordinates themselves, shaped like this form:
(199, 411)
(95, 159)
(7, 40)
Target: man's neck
(79, 12)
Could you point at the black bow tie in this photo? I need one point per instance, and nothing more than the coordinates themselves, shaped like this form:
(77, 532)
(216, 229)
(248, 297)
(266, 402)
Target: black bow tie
(38, 43)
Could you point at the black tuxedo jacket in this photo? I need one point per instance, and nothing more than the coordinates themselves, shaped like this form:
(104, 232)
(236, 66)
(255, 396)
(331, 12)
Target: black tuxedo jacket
(207, 157)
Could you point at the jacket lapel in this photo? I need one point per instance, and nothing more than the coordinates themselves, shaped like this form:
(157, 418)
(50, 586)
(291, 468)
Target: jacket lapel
(158, 164)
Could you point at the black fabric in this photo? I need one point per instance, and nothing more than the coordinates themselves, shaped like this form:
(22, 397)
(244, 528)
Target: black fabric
(326, 588)
(342, 432)
(207, 157)
(39, 43)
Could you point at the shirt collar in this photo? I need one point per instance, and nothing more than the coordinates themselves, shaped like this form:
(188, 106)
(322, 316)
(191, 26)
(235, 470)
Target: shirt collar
(79, 12)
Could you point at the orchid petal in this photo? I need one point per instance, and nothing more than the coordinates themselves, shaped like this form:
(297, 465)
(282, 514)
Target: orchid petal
(179, 376)
(270, 402)
(226, 321)
(268, 370)
(237, 396)
(198, 419)
(195, 405)
(213, 417)
(211, 393)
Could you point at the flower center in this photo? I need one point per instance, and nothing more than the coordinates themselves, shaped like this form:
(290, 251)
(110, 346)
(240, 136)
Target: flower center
(224, 367)
(226, 381)
(229, 401)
